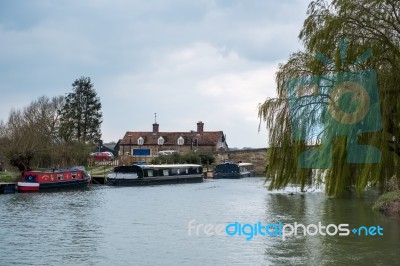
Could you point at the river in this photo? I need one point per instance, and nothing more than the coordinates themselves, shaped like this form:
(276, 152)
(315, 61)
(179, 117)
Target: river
(177, 225)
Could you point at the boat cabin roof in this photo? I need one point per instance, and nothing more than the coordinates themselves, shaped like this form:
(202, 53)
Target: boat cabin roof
(245, 164)
(168, 165)
(58, 170)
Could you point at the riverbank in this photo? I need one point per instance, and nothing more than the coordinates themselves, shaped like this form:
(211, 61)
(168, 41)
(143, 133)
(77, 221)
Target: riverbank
(99, 170)
(9, 177)
(389, 203)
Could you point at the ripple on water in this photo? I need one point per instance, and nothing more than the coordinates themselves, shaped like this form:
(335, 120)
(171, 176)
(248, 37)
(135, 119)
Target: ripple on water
(149, 225)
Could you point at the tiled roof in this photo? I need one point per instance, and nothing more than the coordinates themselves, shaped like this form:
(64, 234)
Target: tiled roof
(110, 146)
(170, 138)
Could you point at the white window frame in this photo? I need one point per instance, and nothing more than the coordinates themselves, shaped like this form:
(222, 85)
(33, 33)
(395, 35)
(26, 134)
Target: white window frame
(140, 141)
(180, 141)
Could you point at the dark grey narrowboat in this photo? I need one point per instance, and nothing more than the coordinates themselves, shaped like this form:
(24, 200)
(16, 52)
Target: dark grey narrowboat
(233, 170)
(143, 175)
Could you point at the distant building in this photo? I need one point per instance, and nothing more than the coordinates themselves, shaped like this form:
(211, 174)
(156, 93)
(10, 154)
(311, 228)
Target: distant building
(145, 145)
(112, 147)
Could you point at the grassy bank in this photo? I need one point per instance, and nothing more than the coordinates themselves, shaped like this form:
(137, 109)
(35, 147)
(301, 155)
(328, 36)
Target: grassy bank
(389, 203)
(100, 170)
(9, 177)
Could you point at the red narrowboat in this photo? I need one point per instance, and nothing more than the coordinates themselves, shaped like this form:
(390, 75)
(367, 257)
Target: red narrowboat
(53, 179)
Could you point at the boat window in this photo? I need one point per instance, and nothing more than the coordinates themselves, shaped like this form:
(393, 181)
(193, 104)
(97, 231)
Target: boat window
(187, 171)
(149, 173)
(60, 177)
(73, 175)
(227, 168)
(165, 172)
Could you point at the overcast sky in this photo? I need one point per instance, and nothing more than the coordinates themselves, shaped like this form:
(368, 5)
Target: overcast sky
(188, 61)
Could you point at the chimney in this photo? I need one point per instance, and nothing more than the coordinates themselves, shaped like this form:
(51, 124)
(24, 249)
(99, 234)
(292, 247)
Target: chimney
(155, 128)
(200, 127)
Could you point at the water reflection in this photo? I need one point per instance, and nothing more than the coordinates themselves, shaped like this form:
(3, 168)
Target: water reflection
(44, 228)
(331, 250)
(149, 226)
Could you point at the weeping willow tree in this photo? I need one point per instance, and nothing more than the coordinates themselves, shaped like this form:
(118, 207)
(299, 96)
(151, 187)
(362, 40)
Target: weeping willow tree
(338, 103)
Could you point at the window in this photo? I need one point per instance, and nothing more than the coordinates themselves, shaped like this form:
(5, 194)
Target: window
(60, 177)
(73, 175)
(160, 141)
(181, 141)
(141, 152)
(140, 141)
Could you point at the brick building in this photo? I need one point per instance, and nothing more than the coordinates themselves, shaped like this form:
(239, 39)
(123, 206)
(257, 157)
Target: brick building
(143, 146)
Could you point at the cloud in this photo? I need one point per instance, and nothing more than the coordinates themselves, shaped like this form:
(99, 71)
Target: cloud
(209, 60)
(198, 82)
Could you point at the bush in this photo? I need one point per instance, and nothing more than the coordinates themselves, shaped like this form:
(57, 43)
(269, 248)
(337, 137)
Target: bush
(386, 198)
(191, 157)
(9, 176)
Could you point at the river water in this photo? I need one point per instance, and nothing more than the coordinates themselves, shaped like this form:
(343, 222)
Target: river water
(165, 225)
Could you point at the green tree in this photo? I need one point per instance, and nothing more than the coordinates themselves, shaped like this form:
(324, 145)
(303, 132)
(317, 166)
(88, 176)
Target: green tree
(206, 158)
(81, 115)
(365, 24)
(190, 157)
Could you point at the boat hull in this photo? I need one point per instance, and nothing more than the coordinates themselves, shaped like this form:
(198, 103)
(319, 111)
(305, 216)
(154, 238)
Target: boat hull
(34, 187)
(148, 181)
(227, 175)
(8, 188)
(27, 187)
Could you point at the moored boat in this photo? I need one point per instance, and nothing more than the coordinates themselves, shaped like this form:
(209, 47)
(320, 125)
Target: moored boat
(142, 175)
(247, 169)
(233, 170)
(53, 179)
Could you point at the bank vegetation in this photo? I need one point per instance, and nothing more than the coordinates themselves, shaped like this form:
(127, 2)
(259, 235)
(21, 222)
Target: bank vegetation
(52, 132)
(344, 40)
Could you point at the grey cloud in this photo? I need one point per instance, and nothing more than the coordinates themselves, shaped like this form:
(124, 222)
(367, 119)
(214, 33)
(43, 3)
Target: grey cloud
(45, 45)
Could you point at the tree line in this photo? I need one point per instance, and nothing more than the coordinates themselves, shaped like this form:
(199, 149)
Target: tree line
(368, 34)
(53, 132)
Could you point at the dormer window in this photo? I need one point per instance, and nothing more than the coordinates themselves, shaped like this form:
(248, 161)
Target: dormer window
(140, 141)
(160, 141)
(181, 141)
